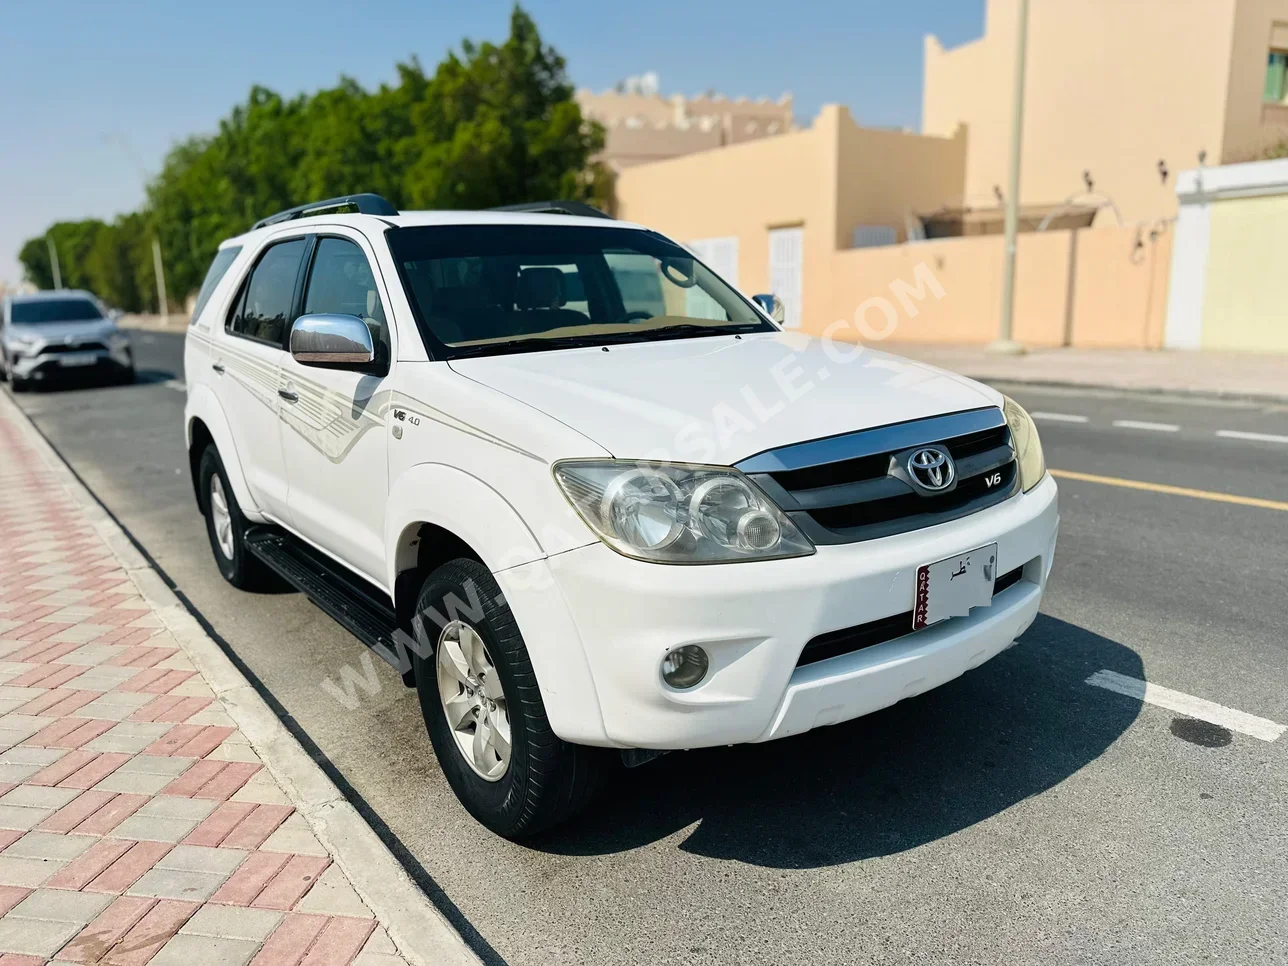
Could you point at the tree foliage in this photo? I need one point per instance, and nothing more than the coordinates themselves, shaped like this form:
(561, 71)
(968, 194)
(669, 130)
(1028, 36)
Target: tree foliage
(494, 124)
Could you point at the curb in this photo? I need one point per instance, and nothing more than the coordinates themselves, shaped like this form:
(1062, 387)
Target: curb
(422, 934)
(1214, 394)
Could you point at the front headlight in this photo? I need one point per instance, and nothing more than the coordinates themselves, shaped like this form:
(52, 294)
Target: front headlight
(118, 340)
(1028, 448)
(679, 514)
(23, 344)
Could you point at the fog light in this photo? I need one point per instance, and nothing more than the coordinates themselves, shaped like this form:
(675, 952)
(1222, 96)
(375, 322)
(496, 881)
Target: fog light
(685, 666)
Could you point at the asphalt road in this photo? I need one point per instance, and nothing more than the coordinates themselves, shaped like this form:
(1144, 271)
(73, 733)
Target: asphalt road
(1017, 815)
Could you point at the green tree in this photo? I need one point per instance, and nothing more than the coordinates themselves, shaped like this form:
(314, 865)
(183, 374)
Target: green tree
(495, 124)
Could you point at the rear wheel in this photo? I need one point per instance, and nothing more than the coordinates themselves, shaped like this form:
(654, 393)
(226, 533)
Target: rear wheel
(484, 713)
(226, 527)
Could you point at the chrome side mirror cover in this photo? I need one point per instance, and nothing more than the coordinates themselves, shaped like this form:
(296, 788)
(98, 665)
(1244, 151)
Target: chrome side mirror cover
(332, 341)
(772, 305)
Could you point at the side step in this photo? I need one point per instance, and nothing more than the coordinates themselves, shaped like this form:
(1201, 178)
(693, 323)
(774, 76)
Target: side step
(359, 607)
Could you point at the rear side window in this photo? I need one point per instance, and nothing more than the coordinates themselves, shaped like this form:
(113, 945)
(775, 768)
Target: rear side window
(266, 309)
(218, 269)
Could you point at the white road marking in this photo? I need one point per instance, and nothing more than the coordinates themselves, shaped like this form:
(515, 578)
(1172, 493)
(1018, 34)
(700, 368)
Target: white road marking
(1059, 417)
(1256, 437)
(1217, 714)
(177, 384)
(1154, 427)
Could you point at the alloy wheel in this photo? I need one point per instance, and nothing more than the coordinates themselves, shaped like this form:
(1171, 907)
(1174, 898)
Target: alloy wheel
(473, 700)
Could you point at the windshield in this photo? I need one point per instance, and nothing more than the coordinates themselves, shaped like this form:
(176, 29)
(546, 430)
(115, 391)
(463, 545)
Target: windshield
(37, 311)
(478, 289)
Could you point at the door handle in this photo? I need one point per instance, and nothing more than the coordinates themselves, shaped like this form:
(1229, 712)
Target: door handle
(218, 367)
(289, 395)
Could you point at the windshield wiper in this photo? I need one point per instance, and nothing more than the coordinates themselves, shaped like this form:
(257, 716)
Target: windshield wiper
(532, 343)
(539, 344)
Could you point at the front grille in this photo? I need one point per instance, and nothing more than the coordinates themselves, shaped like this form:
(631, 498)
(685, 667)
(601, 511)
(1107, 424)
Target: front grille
(75, 347)
(844, 489)
(851, 639)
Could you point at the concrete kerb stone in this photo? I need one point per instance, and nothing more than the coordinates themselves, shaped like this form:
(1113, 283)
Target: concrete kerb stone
(421, 933)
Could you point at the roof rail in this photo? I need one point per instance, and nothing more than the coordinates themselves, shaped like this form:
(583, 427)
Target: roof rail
(578, 208)
(363, 204)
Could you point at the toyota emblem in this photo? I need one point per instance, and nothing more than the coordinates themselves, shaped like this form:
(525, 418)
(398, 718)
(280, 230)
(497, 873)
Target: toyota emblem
(932, 469)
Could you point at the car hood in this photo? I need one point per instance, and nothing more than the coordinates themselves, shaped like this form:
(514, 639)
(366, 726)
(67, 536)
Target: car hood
(46, 332)
(720, 399)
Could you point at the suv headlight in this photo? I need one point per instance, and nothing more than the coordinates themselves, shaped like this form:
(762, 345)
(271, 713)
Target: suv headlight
(1028, 448)
(679, 514)
(24, 344)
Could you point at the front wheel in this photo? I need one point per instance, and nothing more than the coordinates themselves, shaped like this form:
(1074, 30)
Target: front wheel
(483, 710)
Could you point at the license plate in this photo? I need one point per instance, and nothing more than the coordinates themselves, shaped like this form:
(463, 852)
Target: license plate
(951, 587)
(77, 359)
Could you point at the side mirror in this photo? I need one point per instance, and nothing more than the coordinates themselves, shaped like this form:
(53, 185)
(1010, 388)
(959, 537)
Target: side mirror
(772, 305)
(332, 342)
(115, 315)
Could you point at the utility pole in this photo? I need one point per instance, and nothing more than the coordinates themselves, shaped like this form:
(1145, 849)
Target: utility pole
(53, 261)
(162, 307)
(1005, 344)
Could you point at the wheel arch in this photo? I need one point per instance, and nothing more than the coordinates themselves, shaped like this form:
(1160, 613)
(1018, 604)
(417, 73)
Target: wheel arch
(205, 423)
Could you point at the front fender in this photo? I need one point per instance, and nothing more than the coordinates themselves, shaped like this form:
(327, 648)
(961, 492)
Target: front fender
(462, 504)
(472, 510)
(203, 405)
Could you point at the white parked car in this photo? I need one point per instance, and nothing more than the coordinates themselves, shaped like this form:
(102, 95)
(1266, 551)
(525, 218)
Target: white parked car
(589, 499)
(49, 335)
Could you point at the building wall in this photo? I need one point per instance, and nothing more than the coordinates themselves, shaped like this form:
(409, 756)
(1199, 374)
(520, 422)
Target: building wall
(1250, 124)
(745, 190)
(1112, 86)
(1245, 303)
(884, 175)
(1092, 287)
(829, 179)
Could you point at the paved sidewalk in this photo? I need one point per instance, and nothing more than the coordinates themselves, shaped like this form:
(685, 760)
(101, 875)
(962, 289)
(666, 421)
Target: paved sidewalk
(138, 824)
(1231, 374)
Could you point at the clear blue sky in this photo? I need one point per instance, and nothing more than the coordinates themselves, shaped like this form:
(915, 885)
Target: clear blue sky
(95, 93)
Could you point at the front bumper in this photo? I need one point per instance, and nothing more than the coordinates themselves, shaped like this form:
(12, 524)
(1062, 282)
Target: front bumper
(616, 618)
(45, 365)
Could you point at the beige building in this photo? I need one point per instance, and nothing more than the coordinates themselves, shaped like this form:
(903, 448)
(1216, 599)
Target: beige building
(641, 125)
(1124, 90)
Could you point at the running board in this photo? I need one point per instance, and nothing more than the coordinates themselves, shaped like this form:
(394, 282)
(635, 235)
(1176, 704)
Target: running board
(356, 605)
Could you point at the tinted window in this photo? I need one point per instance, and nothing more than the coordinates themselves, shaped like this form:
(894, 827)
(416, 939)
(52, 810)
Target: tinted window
(478, 287)
(36, 311)
(218, 268)
(265, 312)
(341, 282)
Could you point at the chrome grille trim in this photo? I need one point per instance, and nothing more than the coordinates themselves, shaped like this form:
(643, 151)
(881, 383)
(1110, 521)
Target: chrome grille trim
(871, 497)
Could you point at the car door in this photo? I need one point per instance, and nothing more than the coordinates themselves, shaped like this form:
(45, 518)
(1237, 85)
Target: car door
(334, 435)
(247, 365)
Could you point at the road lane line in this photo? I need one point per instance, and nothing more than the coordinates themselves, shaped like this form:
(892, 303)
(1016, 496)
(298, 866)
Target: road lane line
(1188, 705)
(1255, 437)
(1172, 490)
(177, 384)
(1152, 427)
(1059, 417)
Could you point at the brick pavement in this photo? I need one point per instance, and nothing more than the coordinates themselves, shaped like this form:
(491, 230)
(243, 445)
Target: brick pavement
(137, 824)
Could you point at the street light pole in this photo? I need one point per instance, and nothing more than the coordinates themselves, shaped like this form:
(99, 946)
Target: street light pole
(1005, 344)
(53, 262)
(162, 308)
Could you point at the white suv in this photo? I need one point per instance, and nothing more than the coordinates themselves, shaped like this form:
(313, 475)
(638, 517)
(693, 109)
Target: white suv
(589, 499)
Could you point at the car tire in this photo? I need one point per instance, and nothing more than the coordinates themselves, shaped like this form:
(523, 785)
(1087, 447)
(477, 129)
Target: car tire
(546, 780)
(226, 527)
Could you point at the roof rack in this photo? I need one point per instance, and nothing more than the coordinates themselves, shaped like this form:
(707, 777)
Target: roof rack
(578, 208)
(363, 204)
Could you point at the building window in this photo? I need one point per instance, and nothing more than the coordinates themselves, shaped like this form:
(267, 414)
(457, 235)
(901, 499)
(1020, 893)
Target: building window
(1276, 76)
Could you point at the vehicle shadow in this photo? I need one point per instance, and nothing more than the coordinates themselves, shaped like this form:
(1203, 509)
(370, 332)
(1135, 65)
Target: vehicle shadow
(69, 382)
(913, 773)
